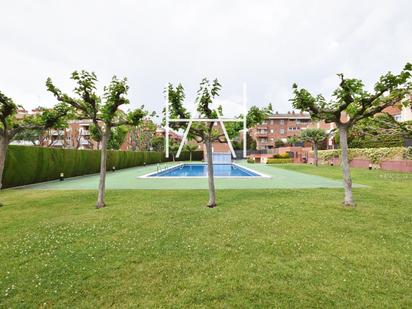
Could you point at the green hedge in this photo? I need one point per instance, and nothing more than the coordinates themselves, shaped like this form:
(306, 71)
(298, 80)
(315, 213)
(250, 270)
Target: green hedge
(279, 161)
(281, 156)
(25, 165)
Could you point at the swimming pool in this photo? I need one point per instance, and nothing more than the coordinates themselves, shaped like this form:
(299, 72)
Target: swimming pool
(200, 170)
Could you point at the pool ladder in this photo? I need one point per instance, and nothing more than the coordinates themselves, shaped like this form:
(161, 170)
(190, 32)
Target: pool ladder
(159, 168)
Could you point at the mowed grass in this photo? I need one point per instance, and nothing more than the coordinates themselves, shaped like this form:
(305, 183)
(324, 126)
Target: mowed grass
(258, 248)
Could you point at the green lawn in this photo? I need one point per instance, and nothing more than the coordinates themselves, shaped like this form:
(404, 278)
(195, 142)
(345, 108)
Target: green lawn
(258, 248)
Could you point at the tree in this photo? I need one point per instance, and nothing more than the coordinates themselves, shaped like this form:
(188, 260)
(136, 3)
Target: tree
(191, 148)
(174, 147)
(238, 142)
(116, 139)
(10, 126)
(35, 136)
(351, 103)
(269, 109)
(279, 143)
(379, 131)
(293, 140)
(104, 112)
(200, 131)
(158, 143)
(315, 137)
(254, 116)
(143, 135)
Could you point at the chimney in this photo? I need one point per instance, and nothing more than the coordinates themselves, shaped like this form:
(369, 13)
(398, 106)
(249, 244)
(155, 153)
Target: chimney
(293, 112)
(277, 112)
(288, 112)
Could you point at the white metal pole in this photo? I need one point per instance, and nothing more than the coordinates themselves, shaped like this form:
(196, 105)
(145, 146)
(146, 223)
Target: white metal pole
(222, 124)
(182, 143)
(244, 121)
(206, 119)
(167, 123)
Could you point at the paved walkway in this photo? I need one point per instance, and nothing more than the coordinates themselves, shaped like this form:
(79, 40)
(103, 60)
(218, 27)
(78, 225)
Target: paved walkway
(127, 179)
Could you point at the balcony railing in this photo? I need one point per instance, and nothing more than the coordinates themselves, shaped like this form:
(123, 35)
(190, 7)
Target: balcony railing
(56, 132)
(84, 132)
(261, 134)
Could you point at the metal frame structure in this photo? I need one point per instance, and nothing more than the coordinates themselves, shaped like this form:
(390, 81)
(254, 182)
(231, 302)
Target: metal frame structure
(220, 120)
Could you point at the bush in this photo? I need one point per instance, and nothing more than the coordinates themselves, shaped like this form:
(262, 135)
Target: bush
(279, 143)
(250, 161)
(26, 165)
(279, 161)
(281, 156)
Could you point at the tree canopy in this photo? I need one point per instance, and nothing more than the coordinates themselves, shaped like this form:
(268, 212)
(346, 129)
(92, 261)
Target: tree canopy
(313, 135)
(379, 131)
(353, 100)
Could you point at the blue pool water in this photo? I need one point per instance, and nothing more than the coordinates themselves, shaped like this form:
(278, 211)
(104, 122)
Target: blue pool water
(200, 170)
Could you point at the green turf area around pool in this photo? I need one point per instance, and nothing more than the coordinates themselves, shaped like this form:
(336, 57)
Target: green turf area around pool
(128, 179)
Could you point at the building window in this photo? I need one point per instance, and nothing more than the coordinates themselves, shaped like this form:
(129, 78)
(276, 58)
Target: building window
(282, 131)
(271, 122)
(271, 131)
(282, 121)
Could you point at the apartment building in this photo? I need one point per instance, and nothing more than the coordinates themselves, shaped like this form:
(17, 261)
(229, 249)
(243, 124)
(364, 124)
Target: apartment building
(400, 114)
(279, 126)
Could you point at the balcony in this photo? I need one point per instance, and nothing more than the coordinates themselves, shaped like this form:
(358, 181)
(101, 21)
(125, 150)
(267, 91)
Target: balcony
(84, 141)
(261, 133)
(56, 132)
(84, 132)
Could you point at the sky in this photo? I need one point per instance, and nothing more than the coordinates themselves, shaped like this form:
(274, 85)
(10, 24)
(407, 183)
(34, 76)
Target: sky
(268, 45)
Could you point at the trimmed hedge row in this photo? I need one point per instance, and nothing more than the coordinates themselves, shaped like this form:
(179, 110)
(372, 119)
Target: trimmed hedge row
(26, 165)
(281, 156)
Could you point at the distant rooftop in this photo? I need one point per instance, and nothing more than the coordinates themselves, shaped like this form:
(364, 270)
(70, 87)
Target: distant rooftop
(289, 115)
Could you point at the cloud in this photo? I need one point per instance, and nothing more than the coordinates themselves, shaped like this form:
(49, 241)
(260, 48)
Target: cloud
(267, 44)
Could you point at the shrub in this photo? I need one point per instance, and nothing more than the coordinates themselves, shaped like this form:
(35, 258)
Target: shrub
(375, 155)
(408, 153)
(279, 161)
(281, 156)
(279, 143)
(250, 161)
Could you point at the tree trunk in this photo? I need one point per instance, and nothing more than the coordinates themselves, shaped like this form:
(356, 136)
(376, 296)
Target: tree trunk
(190, 155)
(103, 162)
(4, 143)
(347, 180)
(315, 151)
(210, 177)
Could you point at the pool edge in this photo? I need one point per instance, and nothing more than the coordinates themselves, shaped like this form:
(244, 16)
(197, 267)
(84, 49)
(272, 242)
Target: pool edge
(259, 174)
